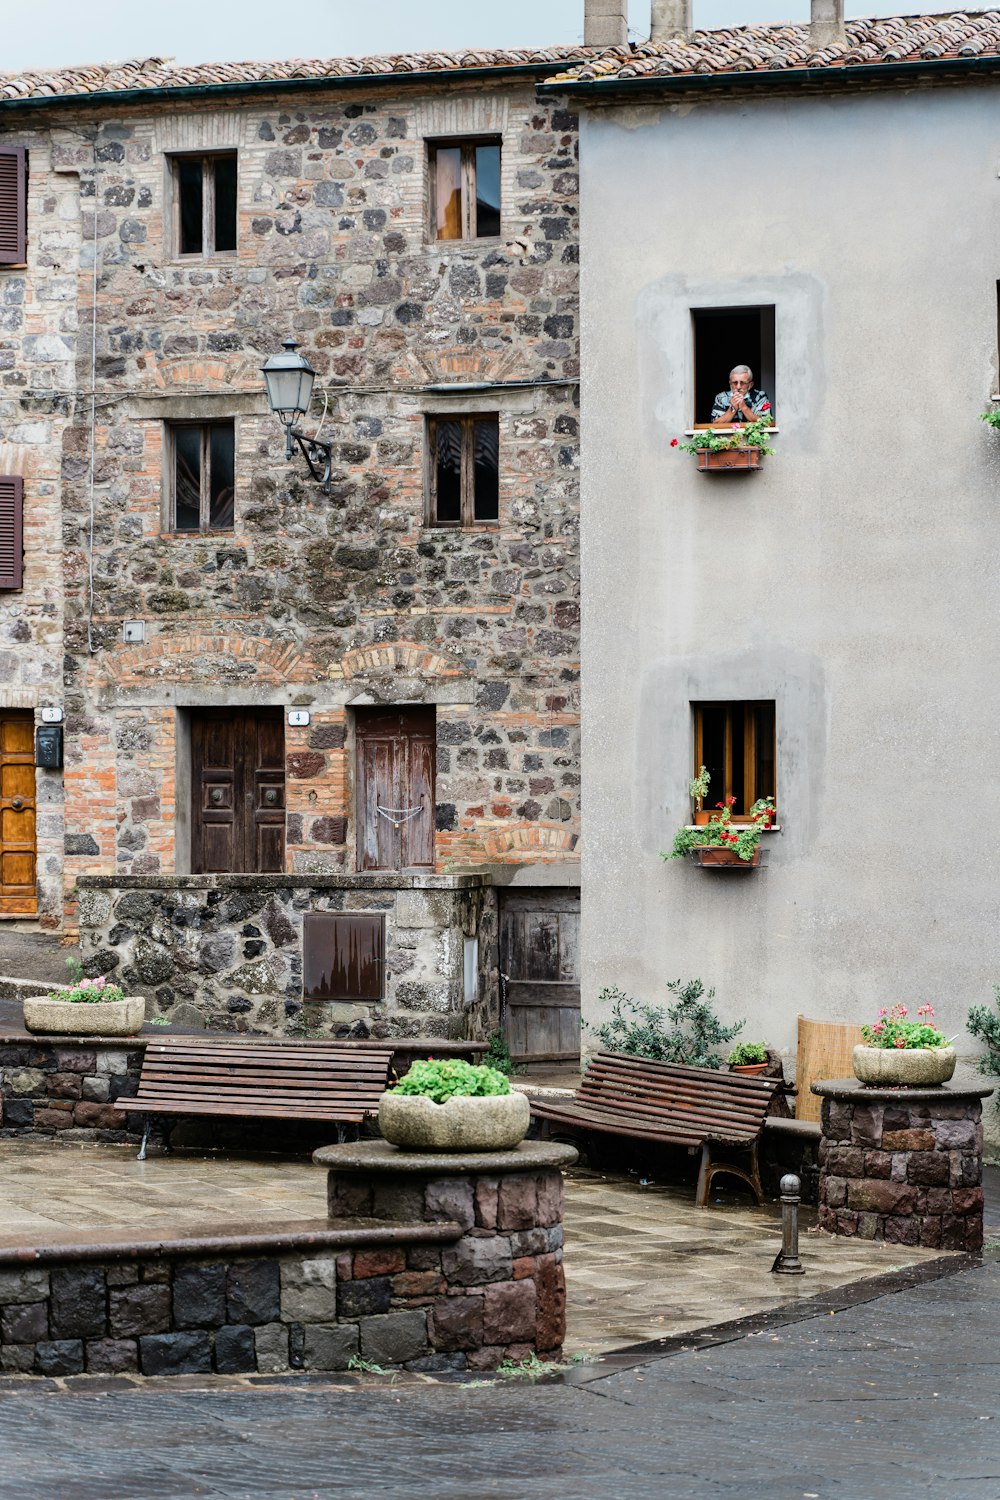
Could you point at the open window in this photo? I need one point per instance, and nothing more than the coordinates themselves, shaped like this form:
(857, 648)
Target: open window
(465, 189)
(735, 741)
(725, 337)
(204, 204)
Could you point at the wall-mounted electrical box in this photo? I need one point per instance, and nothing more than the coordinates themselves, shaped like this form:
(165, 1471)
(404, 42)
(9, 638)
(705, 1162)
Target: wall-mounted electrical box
(134, 632)
(49, 746)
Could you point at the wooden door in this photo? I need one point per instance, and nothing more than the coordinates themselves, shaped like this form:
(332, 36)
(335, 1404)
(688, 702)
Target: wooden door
(539, 964)
(395, 755)
(238, 792)
(17, 813)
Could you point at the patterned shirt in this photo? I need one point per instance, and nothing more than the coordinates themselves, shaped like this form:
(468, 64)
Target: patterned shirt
(756, 400)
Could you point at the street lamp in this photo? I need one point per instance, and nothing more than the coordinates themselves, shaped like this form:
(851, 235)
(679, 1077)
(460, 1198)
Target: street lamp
(288, 380)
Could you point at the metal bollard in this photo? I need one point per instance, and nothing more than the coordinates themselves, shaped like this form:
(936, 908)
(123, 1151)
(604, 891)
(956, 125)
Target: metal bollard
(786, 1262)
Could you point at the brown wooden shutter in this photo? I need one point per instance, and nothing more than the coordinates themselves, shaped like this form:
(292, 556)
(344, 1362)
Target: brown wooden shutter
(11, 530)
(13, 216)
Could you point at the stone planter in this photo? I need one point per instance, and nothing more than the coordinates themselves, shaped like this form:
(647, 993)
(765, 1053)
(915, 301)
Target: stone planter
(104, 1018)
(495, 1122)
(913, 1067)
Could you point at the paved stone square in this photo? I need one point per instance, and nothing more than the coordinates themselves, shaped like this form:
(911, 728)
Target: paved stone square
(641, 1263)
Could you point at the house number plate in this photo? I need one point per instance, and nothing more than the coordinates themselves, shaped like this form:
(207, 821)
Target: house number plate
(297, 716)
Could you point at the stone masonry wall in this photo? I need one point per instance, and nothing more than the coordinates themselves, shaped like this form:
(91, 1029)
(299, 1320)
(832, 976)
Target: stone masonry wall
(323, 602)
(227, 951)
(68, 1091)
(910, 1171)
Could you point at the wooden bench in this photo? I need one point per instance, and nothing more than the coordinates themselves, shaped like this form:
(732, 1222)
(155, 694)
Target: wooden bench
(248, 1079)
(723, 1113)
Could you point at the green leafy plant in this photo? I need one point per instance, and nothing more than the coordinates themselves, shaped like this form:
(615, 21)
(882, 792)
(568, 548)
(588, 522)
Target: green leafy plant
(89, 992)
(366, 1366)
(745, 1054)
(753, 435)
(721, 832)
(698, 787)
(893, 1029)
(992, 419)
(985, 1025)
(74, 968)
(444, 1080)
(689, 1032)
(497, 1055)
(160, 1021)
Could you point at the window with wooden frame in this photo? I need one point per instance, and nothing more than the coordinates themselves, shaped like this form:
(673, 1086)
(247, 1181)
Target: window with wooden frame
(343, 956)
(11, 531)
(204, 204)
(13, 205)
(465, 189)
(202, 475)
(463, 471)
(724, 337)
(736, 743)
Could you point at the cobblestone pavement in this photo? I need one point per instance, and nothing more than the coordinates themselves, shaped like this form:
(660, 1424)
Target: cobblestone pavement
(894, 1398)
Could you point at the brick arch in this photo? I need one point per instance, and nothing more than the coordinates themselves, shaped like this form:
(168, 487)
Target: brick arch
(404, 657)
(195, 657)
(543, 840)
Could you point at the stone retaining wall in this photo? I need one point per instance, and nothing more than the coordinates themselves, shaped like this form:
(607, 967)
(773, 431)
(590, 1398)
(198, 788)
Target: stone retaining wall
(226, 951)
(48, 1089)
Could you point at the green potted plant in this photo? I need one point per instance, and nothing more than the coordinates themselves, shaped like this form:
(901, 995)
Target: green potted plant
(741, 448)
(749, 1058)
(722, 843)
(897, 1052)
(698, 787)
(91, 1007)
(452, 1105)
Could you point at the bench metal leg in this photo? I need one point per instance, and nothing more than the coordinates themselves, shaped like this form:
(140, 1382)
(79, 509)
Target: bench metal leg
(709, 1169)
(145, 1137)
(145, 1140)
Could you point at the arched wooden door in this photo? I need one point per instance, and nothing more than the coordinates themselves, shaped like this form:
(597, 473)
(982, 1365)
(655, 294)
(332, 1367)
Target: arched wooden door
(17, 813)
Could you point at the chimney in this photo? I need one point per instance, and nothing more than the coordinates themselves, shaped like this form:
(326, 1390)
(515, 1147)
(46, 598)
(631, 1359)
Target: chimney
(826, 24)
(671, 19)
(605, 23)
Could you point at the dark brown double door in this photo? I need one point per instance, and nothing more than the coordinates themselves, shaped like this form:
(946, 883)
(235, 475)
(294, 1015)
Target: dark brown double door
(17, 814)
(238, 786)
(395, 758)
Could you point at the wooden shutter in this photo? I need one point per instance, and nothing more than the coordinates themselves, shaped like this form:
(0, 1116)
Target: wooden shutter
(13, 215)
(11, 530)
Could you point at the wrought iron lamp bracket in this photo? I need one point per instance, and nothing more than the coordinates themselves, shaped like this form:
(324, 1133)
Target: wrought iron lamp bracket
(317, 454)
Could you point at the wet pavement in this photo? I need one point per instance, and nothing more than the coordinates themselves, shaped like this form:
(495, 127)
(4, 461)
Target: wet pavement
(641, 1262)
(894, 1398)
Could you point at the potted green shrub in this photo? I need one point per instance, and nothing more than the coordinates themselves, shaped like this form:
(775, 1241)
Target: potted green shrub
(898, 1052)
(723, 844)
(749, 1058)
(717, 450)
(91, 1007)
(452, 1105)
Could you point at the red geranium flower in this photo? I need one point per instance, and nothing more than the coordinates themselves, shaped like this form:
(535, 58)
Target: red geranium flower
(673, 442)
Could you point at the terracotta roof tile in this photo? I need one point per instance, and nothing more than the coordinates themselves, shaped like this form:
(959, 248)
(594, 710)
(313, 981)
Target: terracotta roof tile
(163, 72)
(757, 49)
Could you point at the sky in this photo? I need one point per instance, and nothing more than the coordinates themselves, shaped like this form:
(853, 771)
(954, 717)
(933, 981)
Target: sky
(53, 33)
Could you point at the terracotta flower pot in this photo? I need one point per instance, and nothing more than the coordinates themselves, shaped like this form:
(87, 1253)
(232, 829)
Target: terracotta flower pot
(715, 857)
(492, 1122)
(701, 817)
(749, 1070)
(728, 458)
(916, 1067)
(69, 1018)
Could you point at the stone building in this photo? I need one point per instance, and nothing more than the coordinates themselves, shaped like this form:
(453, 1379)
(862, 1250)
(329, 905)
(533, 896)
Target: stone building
(320, 741)
(826, 210)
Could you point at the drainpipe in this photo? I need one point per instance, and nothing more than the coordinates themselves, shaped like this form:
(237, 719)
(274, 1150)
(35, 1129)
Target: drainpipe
(671, 19)
(826, 24)
(605, 23)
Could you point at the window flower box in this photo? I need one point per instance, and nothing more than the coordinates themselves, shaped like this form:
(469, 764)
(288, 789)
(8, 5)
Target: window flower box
(713, 857)
(729, 459)
(729, 450)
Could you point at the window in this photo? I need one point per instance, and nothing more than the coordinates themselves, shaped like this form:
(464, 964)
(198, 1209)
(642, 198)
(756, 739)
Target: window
(13, 205)
(465, 190)
(464, 471)
(11, 530)
(735, 741)
(343, 956)
(725, 337)
(202, 470)
(204, 204)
